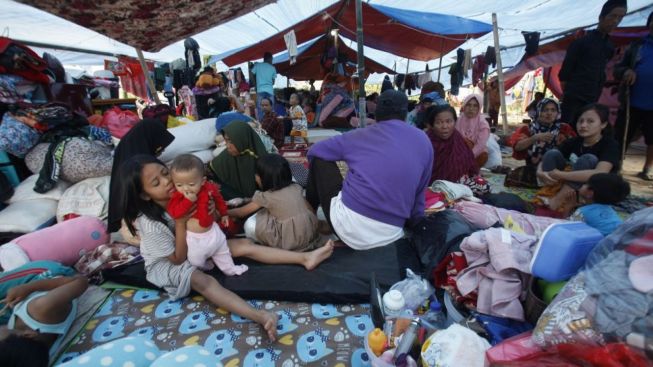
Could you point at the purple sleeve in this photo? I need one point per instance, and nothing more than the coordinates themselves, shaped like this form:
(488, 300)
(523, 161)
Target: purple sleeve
(329, 150)
(418, 207)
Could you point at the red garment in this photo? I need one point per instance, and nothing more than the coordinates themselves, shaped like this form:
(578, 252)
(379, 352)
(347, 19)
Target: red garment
(178, 205)
(29, 64)
(452, 158)
(523, 132)
(444, 276)
(274, 127)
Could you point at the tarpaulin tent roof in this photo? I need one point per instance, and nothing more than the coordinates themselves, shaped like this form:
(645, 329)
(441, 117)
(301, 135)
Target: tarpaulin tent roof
(388, 29)
(148, 24)
(309, 66)
(551, 55)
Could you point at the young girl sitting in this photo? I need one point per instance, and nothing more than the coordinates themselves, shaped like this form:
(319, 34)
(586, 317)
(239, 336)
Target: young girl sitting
(147, 191)
(299, 123)
(42, 313)
(203, 235)
(600, 192)
(283, 217)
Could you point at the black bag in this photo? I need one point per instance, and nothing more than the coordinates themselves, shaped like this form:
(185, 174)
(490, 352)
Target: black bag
(6, 190)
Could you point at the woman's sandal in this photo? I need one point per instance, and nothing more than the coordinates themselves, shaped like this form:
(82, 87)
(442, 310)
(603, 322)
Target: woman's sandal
(645, 175)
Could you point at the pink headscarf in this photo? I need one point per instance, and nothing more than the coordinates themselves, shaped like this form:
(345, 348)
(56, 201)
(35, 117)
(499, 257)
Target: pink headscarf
(475, 129)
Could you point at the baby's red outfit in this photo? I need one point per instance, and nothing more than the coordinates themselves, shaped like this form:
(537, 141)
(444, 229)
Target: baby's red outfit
(178, 205)
(211, 244)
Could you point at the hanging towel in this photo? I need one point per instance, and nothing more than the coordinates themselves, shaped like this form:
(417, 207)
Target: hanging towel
(291, 45)
(467, 63)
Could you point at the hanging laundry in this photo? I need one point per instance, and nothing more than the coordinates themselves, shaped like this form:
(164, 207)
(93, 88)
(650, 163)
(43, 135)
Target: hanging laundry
(192, 54)
(490, 56)
(425, 77)
(291, 45)
(532, 42)
(133, 79)
(478, 69)
(455, 79)
(467, 63)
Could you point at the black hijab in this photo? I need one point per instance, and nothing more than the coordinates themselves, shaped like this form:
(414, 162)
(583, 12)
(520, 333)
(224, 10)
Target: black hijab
(148, 137)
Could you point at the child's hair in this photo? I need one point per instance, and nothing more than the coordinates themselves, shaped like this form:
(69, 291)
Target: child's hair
(299, 98)
(22, 351)
(186, 163)
(274, 172)
(608, 188)
(132, 192)
(604, 115)
(433, 111)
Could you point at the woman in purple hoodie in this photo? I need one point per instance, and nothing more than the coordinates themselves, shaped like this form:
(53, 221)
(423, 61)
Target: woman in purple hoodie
(389, 169)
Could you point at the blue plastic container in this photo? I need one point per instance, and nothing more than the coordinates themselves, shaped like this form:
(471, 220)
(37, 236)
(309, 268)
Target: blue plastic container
(562, 250)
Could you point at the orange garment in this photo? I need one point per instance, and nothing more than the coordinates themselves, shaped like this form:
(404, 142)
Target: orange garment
(207, 80)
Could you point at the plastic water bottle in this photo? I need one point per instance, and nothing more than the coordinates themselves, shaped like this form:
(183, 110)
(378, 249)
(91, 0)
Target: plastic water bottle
(434, 317)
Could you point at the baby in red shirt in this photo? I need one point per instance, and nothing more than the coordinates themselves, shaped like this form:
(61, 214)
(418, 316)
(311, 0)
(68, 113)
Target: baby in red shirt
(204, 238)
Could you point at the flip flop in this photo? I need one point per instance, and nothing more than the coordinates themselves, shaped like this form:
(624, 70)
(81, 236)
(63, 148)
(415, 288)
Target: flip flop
(646, 176)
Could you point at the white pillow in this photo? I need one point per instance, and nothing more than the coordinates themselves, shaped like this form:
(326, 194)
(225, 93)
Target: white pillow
(89, 197)
(25, 191)
(205, 155)
(192, 137)
(27, 216)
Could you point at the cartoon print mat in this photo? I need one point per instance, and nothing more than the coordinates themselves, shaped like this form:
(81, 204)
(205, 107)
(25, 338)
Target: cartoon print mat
(308, 334)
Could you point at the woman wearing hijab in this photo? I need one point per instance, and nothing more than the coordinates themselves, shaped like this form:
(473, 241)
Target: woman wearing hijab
(474, 128)
(531, 142)
(149, 137)
(453, 157)
(235, 168)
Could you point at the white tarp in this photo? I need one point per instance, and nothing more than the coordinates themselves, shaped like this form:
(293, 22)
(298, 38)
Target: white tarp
(549, 17)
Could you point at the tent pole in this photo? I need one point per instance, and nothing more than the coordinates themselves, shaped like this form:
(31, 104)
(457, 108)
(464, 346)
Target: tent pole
(441, 57)
(361, 63)
(148, 79)
(502, 93)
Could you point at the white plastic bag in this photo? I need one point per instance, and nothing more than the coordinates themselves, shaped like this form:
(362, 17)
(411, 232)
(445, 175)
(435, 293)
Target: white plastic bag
(415, 290)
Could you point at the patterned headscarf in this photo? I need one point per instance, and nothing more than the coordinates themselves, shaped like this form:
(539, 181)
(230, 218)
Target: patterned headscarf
(538, 149)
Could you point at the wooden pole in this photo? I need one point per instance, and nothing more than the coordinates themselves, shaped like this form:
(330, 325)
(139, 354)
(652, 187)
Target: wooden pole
(148, 79)
(441, 57)
(361, 63)
(502, 92)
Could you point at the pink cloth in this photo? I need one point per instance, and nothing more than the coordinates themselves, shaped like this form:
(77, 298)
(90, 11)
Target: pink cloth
(212, 244)
(64, 242)
(475, 129)
(498, 262)
(485, 216)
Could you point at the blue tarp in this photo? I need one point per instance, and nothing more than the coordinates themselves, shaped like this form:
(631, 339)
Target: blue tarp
(433, 22)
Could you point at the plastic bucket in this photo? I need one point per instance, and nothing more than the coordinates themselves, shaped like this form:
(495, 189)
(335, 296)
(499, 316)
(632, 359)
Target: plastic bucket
(453, 315)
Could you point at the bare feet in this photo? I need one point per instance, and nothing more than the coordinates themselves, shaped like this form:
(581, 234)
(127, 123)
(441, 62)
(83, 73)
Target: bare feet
(269, 322)
(314, 258)
(564, 201)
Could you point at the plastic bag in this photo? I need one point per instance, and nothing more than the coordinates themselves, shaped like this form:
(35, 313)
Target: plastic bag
(415, 290)
(610, 299)
(119, 122)
(610, 355)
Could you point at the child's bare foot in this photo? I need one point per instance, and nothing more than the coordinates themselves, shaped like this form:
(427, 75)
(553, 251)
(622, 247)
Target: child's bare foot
(314, 258)
(269, 322)
(563, 198)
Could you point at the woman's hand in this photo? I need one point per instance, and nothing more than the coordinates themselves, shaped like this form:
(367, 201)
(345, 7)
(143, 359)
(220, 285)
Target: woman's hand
(17, 294)
(225, 221)
(185, 218)
(546, 178)
(545, 137)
